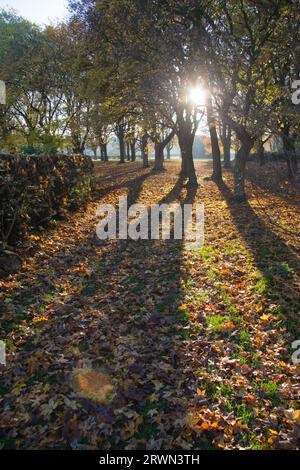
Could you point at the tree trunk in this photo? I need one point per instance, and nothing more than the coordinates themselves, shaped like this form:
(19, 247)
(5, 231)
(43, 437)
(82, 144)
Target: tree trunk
(145, 152)
(133, 152)
(128, 151)
(184, 170)
(122, 147)
(159, 157)
(289, 149)
(261, 154)
(186, 141)
(105, 153)
(239, 170)
(216, 154)
(227, 146)
(159, 151)
(102, 147)
(169, 152)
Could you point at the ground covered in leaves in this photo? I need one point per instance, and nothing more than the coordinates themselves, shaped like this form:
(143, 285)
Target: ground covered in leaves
(145, 345)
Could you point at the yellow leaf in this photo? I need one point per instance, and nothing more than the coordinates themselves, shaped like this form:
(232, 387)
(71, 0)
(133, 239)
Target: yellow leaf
(40, 319)
(265, 318)
(182, 308)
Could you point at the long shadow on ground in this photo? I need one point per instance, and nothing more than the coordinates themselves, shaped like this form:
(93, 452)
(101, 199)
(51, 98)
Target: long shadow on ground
(278, 263)
(144, 342)
(271, 184)
(124, 321)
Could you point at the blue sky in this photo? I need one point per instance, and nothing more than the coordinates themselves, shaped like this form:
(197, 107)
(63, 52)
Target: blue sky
(37, 11)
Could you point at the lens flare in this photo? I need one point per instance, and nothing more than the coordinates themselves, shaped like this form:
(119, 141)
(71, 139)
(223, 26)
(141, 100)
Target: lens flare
(197, 95)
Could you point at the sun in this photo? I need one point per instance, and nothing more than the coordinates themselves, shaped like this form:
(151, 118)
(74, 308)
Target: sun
(197, 95)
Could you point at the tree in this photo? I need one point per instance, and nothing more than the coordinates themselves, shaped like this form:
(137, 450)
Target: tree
(153, 58)
(225, 134)
(216, 154)
(47, 105)
(243, 40)
(145, 149)
(161, 139)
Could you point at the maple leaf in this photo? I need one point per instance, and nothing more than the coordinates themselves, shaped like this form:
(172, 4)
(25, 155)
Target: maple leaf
(92, 384)
(155, 378)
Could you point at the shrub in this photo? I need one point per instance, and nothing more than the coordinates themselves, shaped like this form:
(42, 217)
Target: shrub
(34, 189)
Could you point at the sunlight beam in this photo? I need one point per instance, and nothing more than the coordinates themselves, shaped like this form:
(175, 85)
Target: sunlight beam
(197, 95)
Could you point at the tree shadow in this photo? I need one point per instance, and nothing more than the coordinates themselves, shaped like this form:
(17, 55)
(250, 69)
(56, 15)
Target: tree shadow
(274, 258)
(266, 182)
(144, 338)
(120, 181)
(124, 321)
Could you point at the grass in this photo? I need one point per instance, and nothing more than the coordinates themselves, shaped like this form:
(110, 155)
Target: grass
(217, 322)
(284, 270)
(48, 297)
(245, 338)
(226, 390)
(9, 345)
(270, 389)
(262, 286)
(223, 283)
(200, 296)
(207, 253)
(244, 413)
(165, 304)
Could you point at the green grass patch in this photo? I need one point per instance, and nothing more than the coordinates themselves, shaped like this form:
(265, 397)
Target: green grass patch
(244, 413)
(216, 323)
(200, 296)
(226, 390)
(245, 338)
(48, 297)
(270, 389)
(284, 270)
(262, 286)
(207, 253)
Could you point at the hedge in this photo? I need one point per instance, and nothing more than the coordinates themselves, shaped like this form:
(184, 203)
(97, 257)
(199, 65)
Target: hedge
(35, 189)
(271, 156)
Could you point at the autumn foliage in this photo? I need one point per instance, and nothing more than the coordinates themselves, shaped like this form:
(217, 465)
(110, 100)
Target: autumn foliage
(34, 189)
(145, 345)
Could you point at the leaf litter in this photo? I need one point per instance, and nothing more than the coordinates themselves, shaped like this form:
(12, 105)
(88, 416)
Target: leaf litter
(144, 345)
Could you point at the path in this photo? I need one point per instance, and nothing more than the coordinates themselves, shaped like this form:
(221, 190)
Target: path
(194, 344)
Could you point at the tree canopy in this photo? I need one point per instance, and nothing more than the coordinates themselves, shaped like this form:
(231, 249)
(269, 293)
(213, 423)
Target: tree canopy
(131, 68)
